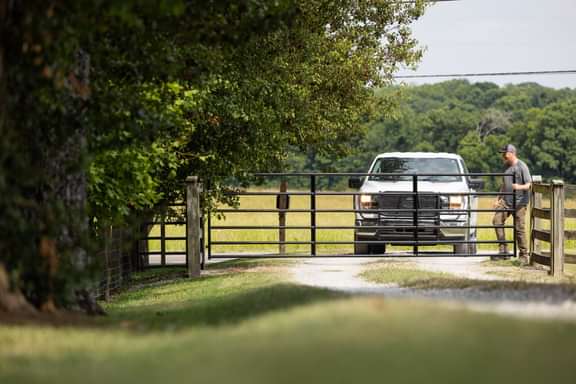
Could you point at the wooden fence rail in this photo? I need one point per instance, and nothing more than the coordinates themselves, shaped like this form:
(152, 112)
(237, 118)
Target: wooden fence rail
(557, 234)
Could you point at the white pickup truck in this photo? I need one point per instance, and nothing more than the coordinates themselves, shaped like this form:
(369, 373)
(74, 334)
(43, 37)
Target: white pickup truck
(388, 202)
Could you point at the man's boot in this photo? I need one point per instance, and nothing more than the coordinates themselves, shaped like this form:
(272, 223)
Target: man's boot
(524, 259)
(502, 253)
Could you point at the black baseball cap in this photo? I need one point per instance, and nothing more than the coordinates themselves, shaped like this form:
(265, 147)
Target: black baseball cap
(508, 148)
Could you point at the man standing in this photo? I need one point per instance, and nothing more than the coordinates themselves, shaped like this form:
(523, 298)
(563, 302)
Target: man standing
(520, 182)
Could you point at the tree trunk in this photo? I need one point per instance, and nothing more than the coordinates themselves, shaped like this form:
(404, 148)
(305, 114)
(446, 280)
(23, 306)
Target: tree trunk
(11, 299)
(68, 186)
(3, 96)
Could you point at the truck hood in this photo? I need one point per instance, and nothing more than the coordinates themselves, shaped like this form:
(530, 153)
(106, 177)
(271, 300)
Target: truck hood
(371, 186)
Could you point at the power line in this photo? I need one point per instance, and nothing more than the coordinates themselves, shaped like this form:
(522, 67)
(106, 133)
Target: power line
(426, 1)
(488, 74)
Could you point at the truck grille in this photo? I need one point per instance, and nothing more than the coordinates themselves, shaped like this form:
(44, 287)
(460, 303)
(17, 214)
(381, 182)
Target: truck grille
(392, 202)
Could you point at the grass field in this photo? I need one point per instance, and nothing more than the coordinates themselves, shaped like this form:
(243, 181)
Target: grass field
(407, 274)
(303, 219)
(245, 323)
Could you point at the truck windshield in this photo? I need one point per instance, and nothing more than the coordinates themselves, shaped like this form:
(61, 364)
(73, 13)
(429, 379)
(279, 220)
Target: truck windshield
(429, 166)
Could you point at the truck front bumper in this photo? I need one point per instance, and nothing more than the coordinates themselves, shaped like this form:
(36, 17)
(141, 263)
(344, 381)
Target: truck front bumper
(402, 230)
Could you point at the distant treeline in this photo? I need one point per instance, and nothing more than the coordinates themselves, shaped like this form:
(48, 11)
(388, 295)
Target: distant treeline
(472, 119)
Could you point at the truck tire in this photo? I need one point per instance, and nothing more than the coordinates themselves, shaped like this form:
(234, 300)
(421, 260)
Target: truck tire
(377, 249)
(465, 249)
(461, 249)
(361, 249)
(368, 249)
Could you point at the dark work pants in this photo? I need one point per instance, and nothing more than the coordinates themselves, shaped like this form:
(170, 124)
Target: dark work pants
(520, 217)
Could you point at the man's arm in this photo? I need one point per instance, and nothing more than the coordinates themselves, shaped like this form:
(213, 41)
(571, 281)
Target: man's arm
(521, 187)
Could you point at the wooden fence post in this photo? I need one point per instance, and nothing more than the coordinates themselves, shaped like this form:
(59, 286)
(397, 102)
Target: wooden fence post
(535, 202)
(536, 223)
(557, 229)
(193, 227)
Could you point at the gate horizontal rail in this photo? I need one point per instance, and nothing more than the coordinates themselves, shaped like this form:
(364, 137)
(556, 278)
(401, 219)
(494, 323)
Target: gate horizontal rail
(300, 193)
(453, 211)
(416, 221)
(362, 174)
(351, 227)
(343, 255)
(395, 242)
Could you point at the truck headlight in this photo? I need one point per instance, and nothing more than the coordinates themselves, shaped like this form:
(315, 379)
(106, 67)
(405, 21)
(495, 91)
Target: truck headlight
(367, 202)
(452, 202)
(456, 202)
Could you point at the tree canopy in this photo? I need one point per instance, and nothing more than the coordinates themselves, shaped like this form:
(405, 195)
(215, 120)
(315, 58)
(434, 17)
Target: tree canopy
(472, 119)
(108, 105)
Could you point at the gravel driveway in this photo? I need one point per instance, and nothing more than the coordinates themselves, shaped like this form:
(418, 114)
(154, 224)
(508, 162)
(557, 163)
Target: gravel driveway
(341, 274)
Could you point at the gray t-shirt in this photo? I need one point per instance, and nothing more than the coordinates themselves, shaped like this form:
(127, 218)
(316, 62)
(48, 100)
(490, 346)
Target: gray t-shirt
(521, 176)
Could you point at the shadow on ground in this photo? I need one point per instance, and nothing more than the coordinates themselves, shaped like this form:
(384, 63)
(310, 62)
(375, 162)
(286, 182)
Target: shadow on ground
(230, 307)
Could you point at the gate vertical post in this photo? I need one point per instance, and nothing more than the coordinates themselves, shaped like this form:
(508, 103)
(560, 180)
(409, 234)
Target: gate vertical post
(163, 240)
(557, 229)
(415, 204)
(202, 244)
(209, 225)
(193, 226)
(313, 215)
(535, 202)
(282, 204)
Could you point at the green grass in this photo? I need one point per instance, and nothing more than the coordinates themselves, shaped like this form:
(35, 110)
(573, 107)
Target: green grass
(213, 300)
(157, 274)
(408, 275)
(253, 327)
(404, 274)
(243, 264)
(512, 269)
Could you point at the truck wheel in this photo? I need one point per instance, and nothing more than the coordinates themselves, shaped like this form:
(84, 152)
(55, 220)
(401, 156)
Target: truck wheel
(377, 249)
(465, 249)
(361, 249)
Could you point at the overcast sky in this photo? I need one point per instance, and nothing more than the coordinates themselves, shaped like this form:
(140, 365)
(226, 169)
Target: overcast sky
(499, 36)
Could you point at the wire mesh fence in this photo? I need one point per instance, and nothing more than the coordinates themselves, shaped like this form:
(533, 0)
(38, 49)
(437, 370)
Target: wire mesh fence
(119, 260)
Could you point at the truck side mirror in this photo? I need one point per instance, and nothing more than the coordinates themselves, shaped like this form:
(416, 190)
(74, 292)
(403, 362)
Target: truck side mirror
(354, 182)
(477, 184)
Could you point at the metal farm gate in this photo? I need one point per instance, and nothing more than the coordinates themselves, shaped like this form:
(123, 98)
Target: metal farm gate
(413, 219)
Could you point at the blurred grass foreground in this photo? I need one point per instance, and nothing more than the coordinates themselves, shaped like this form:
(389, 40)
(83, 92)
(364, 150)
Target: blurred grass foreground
(244, 322)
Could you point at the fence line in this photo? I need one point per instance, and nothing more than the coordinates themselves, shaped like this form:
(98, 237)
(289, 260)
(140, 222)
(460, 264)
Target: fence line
(119, 260)
(122, 254)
